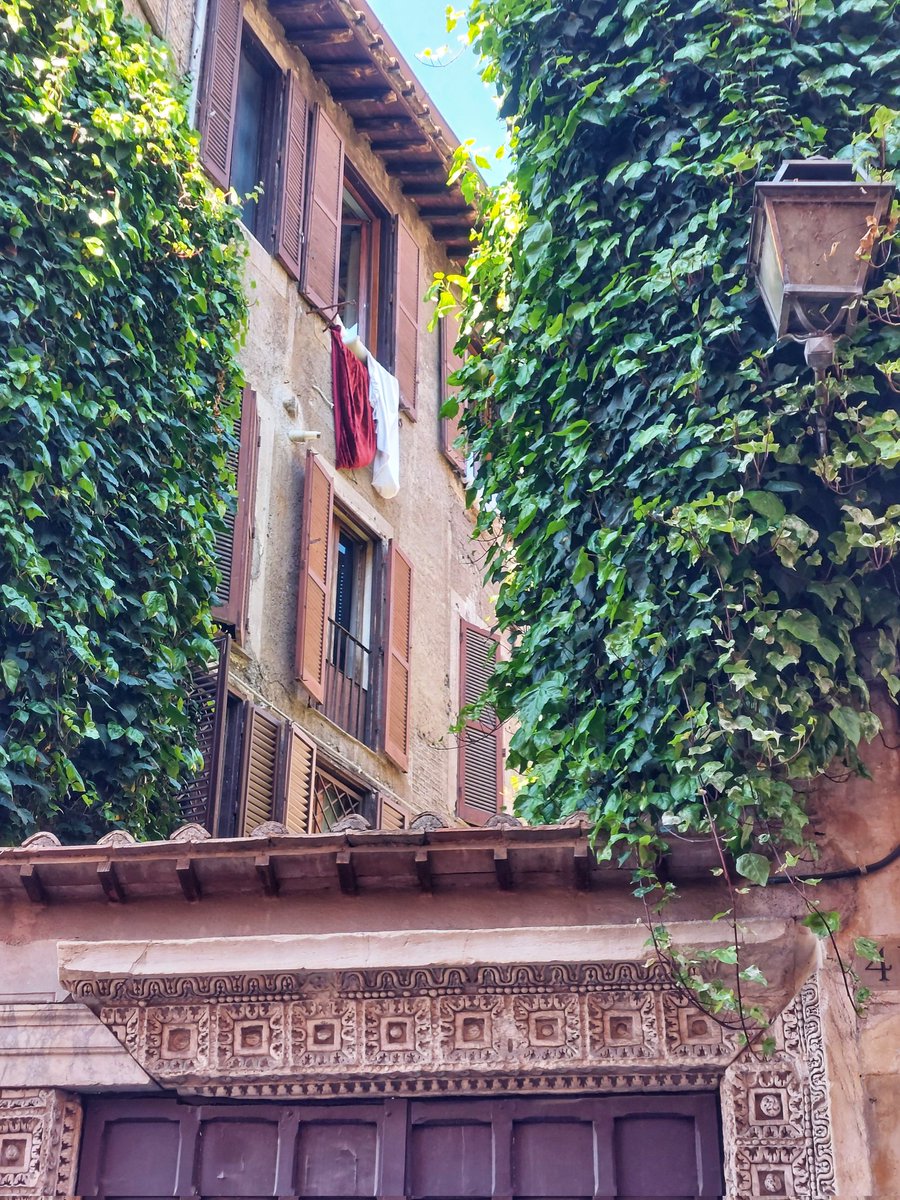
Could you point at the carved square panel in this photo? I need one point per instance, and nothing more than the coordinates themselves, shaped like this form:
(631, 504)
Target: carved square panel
(397, 1031)
(472, 1031)
(549, 1026)
(250, 1036)
(622, 1025)
(468, 1028)
(175, 1039)
(772, 1181)
(693, 1034)
(179, 1041)
(767, 1107)
(547, 1029)
(15, 1152)
(323, 1032)
(20, 1152)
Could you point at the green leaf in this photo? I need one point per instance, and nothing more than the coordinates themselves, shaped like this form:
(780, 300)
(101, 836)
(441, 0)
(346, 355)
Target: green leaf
(767, 505)
(754, 867)
(847, 720)
(823, 923)
(867, 948)
(11, 671)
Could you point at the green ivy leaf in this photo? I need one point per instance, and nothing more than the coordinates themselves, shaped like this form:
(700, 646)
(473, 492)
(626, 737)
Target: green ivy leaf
(754, 867)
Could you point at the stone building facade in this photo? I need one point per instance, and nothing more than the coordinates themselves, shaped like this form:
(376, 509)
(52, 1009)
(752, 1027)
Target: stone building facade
(354, 619)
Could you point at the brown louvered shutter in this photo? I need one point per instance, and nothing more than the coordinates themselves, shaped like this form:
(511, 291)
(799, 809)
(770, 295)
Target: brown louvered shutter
(450, 362)
(233, 545)
(397, 656)
(315, 575)
(392, 816)
(260, 769)
(288, 234)
(206, 704)
(323, 218)
(218, 87)
(408, 298)
(479, 785)
(299, 777)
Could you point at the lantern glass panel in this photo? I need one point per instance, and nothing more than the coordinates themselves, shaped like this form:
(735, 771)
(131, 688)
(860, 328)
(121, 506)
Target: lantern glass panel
(820, 240)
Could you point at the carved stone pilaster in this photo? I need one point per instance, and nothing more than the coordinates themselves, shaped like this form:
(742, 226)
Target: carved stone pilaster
(39, 1131)
(777, 1127)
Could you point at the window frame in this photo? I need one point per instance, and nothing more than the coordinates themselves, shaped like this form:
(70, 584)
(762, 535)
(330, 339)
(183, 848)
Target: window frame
(271, 137)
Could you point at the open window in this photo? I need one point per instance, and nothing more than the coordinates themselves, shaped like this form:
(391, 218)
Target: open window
(253, 131)
(360, 261)
(351, 627)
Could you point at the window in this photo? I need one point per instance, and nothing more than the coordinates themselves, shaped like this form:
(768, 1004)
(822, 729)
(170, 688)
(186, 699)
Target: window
(257, 766)
(349, 675)
(353, 631)
(335, 797)
(359, 264)
(253, 121)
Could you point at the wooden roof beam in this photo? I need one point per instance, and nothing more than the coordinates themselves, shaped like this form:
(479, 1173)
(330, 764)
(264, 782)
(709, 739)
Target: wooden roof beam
(187, 878)
(110, 882)
(328, 35)
(31, 882)
(423, 870)
(346, 872)
(363, 94)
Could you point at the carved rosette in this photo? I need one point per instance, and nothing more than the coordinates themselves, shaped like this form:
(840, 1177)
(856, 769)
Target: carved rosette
(39, 1131)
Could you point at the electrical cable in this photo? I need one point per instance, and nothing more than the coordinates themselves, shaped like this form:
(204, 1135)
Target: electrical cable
(845, 873)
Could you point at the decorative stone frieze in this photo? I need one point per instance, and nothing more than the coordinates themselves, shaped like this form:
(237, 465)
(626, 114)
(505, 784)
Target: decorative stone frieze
(39, 1131)
(775, 1114)
(465, 1028)
(560, 1028)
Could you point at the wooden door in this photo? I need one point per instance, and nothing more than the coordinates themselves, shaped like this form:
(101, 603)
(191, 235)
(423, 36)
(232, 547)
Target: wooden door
(522, 1148)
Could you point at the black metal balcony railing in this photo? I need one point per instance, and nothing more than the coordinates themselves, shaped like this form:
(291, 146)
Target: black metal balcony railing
(348, 679)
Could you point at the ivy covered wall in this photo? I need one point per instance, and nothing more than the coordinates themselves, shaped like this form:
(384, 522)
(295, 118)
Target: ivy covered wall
(121, 309)
(694, 593)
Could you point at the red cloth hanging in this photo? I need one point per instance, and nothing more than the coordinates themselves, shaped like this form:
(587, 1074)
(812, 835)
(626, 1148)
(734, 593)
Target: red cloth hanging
(354, 425)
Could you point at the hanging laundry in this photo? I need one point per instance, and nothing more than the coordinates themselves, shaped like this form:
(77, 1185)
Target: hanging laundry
(385, 394)
(354, 427)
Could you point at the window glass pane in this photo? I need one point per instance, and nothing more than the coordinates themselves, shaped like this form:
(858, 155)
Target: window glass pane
(350, 264)
(246, 160)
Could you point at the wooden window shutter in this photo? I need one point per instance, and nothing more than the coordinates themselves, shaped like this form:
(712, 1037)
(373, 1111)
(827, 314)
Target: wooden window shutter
(479, 784)
(206, 702)
(407, 303)
(397, 656)
(289, 230)
(260, 769)
(233, 546)
(218, 87)
(392, 816)
(450, 362)
(323, 217)
(299, 778)
(315, 575)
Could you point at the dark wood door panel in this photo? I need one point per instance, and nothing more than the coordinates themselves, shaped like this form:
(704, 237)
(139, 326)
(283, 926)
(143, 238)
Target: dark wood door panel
(522, 1148)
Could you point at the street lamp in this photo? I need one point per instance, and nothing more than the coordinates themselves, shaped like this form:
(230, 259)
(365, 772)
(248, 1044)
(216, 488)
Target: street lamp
(814, 227)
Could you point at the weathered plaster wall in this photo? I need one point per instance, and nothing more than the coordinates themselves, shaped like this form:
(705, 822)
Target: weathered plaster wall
(860, 822)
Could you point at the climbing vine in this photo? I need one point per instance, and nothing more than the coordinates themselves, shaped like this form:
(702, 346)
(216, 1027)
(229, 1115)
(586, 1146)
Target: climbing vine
(120, 313)
(697, 593)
